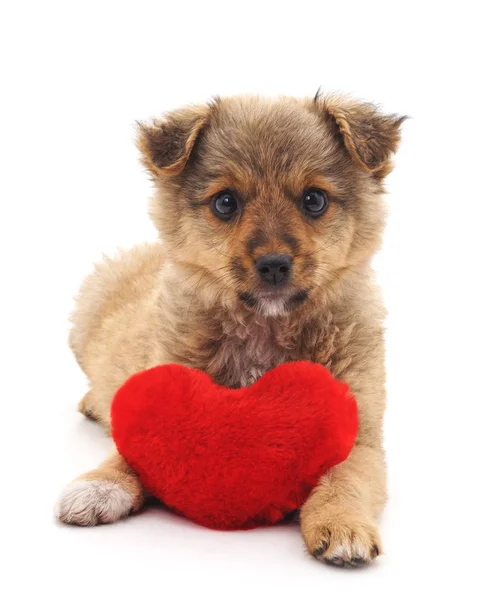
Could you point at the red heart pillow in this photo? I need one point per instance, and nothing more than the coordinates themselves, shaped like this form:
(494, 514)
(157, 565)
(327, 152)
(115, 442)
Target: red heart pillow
(233, 459)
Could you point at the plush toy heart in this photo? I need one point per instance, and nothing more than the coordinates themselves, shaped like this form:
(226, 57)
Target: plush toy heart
(233, 459)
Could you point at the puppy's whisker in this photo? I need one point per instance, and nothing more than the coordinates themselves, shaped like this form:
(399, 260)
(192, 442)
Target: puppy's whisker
(208, 285)
(213, 246)
(190, 276)
(205, 272)
(320, 248)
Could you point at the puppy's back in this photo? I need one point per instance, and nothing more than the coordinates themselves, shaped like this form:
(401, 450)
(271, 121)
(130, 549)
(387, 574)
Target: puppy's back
(115, 291)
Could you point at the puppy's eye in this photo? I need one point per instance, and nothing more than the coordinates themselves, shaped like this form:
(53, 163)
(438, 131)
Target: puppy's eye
(225, 204)
(314, 202)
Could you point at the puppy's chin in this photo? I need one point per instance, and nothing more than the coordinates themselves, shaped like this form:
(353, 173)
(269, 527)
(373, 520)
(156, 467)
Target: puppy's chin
(273, 305)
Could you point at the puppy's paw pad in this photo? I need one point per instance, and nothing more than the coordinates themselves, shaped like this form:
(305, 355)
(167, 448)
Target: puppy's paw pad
(90, 502)
(342, 542)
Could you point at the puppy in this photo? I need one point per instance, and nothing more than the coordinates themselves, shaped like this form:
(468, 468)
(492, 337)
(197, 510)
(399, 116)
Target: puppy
(269, 211)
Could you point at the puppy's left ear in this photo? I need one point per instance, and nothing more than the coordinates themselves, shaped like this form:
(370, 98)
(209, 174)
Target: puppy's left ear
(369, 136)
(166, 144)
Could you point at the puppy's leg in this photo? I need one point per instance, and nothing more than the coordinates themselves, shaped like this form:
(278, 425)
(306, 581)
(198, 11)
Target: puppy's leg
(338, 521)
(96, 408)
(85, 406)
(104, 495)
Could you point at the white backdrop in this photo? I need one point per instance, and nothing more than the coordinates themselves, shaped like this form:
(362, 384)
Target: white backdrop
(74, 77)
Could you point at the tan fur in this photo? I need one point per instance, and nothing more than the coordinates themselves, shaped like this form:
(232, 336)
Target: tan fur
(179, 300)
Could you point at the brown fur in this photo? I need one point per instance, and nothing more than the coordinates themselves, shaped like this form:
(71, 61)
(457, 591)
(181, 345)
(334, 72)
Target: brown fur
(194, 298)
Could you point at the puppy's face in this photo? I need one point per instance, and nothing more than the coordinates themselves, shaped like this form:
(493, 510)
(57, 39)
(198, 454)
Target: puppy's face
(270, 199)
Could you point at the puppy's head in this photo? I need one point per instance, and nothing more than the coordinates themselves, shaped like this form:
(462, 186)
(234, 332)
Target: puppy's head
(270, 199)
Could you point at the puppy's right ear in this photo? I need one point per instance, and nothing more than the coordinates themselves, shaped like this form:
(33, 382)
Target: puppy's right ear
(166, 143)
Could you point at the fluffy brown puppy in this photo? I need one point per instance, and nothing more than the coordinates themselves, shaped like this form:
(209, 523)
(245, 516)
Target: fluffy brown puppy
(269, 211)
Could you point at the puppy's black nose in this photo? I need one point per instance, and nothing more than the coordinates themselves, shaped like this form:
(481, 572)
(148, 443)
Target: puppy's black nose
(274, 268)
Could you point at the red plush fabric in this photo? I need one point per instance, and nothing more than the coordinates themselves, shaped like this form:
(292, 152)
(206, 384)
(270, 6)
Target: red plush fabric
(233, 459)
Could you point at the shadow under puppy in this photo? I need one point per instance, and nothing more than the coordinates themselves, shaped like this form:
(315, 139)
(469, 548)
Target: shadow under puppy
(269, 211)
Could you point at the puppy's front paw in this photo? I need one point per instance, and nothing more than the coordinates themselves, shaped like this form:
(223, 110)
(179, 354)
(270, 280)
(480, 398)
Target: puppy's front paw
(90, 502)
(340, 538)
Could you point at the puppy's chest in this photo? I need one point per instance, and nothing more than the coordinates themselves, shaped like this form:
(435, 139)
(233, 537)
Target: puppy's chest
(247, 350)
